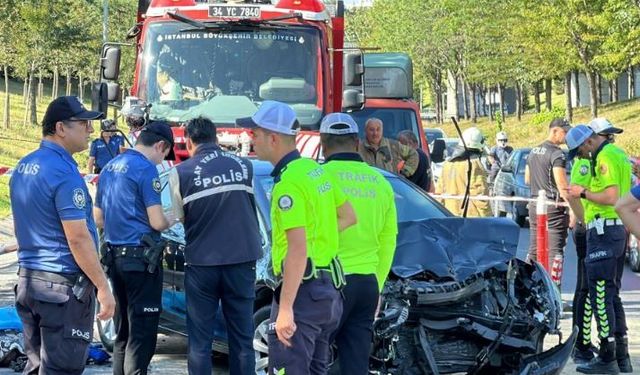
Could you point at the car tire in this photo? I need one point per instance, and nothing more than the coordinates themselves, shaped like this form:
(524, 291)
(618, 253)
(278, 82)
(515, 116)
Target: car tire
(634, 254)
(106, 328)
(261, 319)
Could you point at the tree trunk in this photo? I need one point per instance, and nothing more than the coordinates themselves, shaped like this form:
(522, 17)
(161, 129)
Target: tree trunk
(631, 82)
(501, 96)
(56, 82)
(7, 103)
(577, 75)
(548, 83)
(536, 92)
(465, 98)
(68, 90)
(598, 88)
(473, 107)
(25, 91)
(614, 90)
(593, 92)
(519, 101)
(491, 103)
(80, 87)
(40, 88)
(33, 109)
(567, 92)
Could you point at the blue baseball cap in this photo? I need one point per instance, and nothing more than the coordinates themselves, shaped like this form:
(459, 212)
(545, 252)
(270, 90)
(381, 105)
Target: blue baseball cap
(163, 130)
(65, 108)
(338, 124)
(576, 137)
(274, 116)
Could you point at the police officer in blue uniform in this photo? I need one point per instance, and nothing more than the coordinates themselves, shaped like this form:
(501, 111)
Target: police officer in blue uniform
(129, 207)
(105, 148)
(213, 193)
(57, 241)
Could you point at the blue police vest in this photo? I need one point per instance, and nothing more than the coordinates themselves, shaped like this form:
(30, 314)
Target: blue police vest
(105, 152)
(220, 223)
(128, 184)
(46, 188)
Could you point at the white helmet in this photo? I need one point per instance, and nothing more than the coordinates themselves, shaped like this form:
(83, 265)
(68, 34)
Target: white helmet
(473, 138)
(133, 107)
(501, 136)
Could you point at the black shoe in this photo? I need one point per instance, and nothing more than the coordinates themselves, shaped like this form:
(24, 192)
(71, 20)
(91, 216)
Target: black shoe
(583, 356)
(624, 365)
(597, 366)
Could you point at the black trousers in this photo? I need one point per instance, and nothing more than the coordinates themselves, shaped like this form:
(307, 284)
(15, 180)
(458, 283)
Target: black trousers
(582, 311)
(355, 332)
(57, 326)
(557, 223)
(233, 287)
(138, 295)
(604, 264)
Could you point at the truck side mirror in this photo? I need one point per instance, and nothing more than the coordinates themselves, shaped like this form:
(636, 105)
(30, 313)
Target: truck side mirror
(110, 63)
(353, 69)
(352, 100)
(437, 150)
(113, 91)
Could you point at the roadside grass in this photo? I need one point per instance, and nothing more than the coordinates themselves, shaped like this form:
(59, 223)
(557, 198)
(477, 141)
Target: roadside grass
(624, 114)
(20, 139)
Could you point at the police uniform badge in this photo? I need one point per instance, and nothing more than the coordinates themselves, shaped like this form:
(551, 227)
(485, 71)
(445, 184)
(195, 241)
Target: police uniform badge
(285, 203)
(79, 199)
(157, 187)
(584, 170)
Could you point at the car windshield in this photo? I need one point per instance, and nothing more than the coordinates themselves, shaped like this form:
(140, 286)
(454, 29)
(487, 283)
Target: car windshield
(393, 120)
(224, 74)
(523, 162)
(432, 134)
(411, 203)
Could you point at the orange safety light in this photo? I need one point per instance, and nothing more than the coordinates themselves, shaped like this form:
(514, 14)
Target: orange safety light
(171, 3)
(306, 5)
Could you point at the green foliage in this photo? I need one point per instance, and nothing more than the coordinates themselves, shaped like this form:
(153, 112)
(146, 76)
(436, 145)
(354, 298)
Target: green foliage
(499, 120)
(545, 116)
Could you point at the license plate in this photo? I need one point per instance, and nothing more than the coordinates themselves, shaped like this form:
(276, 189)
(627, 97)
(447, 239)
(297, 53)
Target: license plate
(234, 11)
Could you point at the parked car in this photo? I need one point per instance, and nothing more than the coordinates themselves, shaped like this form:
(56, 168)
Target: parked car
(510, 182)
(428, 114)
(433, 133)
(450, 145)
(633, 253)
(455, 283)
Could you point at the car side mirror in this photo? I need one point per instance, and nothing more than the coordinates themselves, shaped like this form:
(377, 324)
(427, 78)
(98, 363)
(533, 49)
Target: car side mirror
(507, 169)
(437, 150)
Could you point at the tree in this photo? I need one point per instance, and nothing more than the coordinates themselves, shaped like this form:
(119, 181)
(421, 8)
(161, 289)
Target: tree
(7, 52)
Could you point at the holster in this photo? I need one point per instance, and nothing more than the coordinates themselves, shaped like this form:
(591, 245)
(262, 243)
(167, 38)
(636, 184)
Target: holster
(81, 286)
(106, 257)
(153, 251)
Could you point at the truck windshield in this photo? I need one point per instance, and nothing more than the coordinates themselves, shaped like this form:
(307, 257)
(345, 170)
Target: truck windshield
(393, 120)
(226, 74)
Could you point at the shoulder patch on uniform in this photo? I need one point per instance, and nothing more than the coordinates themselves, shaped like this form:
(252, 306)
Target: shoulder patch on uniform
(285, 202)
(79, 199)
(584, 170)
(157, 187)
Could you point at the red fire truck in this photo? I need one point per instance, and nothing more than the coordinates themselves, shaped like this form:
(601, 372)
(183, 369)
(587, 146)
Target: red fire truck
(221, 60)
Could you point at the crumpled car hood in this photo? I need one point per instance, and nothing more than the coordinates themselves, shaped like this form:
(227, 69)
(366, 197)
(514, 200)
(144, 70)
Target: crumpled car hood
(454, 248)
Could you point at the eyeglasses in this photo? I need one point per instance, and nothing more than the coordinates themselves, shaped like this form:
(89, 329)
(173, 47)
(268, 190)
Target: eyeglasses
(502, 140)
(84, 123)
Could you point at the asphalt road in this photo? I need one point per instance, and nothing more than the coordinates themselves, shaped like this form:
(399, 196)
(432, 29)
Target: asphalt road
(170, 357)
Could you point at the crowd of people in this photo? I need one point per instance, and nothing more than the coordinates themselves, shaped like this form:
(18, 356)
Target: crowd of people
(331, 250)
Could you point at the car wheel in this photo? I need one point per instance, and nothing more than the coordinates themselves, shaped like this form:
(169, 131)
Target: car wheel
(106, 328)
(634, 254)
(261, 339)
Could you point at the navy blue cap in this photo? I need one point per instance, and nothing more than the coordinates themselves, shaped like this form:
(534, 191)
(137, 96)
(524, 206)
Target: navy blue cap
(65, 108)
(576, 137)
(163, 130)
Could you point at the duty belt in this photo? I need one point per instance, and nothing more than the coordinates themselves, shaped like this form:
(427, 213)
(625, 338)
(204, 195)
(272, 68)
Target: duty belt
(606, 222)
(128, 251)
(52, 277)
(334, 269)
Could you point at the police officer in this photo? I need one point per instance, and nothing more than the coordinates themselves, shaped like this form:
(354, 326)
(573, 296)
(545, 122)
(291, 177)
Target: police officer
(366, 249)
(606, 240)
(422, 176)
(133, 111)
(546, 170)
(57, 242)
(582, 311)
(307, 211)
(129, 208)
(104, 148)
(213, 193)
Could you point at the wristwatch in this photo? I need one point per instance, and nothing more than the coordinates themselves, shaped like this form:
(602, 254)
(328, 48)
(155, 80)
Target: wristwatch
(583, 194)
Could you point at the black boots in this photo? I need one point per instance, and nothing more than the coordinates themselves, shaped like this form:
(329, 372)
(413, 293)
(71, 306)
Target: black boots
(605, 362)
(622, 354)
(582, 355)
